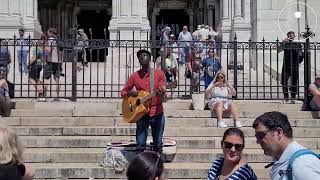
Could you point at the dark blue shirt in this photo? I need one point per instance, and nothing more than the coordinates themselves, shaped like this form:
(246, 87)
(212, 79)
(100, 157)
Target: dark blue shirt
(211, 67)
(243, 173)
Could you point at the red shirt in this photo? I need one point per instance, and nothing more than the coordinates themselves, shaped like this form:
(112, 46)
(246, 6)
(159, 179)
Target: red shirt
(141, 81)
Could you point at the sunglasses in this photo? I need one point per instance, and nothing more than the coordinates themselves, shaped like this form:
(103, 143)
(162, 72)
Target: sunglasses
(229, 145)
(260, 135)
(220, 77)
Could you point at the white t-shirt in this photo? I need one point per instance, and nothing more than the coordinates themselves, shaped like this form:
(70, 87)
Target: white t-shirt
(53, 56)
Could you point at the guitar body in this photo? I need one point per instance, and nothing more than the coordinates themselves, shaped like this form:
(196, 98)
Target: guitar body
(132, 109)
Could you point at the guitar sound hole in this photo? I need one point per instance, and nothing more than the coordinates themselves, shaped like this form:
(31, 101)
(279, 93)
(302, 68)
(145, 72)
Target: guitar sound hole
(138, 102)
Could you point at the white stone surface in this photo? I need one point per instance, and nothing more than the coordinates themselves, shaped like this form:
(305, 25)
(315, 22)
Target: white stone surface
(19, 14)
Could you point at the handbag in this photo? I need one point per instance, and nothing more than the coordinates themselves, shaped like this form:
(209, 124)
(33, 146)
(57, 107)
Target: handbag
(187, 73)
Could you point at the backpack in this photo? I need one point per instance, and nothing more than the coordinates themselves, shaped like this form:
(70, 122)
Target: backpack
(296, 155)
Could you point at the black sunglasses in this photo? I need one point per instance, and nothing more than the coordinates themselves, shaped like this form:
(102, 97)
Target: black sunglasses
(260, 135)
(229, 145)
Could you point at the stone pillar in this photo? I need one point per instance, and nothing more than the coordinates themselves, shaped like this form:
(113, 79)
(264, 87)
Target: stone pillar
(49, 17)
(237, 8)
(210, 15)
(190, 13)
(155, 13)
(217, 13)
(225, 9)
(126, 20)
(59, 18)
(242, 24)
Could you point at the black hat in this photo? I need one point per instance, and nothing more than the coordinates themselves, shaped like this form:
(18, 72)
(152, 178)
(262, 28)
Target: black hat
(143, 51)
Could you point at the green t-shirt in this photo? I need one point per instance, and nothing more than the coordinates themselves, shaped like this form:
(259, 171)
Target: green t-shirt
(38, 52)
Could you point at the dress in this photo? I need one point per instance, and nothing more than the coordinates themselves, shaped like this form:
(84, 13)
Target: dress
(219, 94)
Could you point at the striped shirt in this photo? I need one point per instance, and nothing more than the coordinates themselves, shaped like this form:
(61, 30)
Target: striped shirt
(243, 173)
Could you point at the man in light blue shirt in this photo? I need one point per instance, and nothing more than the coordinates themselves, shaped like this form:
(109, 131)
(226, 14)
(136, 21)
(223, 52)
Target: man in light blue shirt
(22, 52)
(274, 134)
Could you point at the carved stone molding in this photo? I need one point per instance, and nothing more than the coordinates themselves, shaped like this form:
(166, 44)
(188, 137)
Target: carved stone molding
(172, 4)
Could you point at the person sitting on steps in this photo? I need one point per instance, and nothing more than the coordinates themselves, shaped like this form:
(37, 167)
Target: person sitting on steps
(219, 90)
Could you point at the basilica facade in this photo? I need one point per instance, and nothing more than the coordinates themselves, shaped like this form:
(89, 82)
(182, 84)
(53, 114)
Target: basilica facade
(143, 19)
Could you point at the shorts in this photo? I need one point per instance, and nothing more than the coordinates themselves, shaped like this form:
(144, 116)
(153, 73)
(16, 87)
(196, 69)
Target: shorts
(34, 72)
(52, 68)
(314, 106)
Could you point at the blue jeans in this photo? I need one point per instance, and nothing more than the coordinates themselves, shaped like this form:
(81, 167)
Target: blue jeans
(22, 59)
(185, 52)
(157, 126)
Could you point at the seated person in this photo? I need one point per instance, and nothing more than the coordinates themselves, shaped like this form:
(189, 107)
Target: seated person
(314, 90)
(147, 165)
(232, 165)
(219, 90)
(11, 166)
(5, 101)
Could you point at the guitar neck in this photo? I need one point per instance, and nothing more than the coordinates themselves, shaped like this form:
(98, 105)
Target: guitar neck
(146, 98)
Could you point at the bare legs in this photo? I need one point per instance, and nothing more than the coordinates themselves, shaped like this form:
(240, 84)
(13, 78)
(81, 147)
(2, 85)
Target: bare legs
(218, 109)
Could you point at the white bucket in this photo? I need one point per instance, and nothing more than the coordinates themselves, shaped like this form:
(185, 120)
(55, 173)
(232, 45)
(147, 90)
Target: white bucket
(198, 101)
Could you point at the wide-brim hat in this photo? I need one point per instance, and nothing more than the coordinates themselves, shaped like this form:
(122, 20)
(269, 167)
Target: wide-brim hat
(143, 51)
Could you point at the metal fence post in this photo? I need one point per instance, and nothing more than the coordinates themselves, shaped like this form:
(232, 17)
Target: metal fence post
(235, 64)
(74, 66)
(307, 69)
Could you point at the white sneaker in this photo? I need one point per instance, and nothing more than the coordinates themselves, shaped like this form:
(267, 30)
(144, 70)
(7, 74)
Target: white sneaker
(238, 124)
(221, 124)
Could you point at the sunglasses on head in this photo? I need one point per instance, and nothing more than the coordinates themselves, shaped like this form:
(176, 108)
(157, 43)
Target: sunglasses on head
(229, 145)
(260, 135)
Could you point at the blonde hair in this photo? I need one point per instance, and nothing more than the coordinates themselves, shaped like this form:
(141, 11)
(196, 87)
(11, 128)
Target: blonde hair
(215, 79)
(10, 146)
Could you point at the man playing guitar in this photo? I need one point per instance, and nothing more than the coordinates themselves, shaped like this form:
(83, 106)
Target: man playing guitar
(155, 118)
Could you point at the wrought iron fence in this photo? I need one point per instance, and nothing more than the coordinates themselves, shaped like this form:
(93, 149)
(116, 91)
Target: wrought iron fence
(103, 66)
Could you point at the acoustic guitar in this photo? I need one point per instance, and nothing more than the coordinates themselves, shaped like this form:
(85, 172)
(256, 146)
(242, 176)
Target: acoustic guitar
(133, 108)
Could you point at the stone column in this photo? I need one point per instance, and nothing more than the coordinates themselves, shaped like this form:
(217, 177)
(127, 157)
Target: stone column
(155, 13)
(190, 13)
(237, 8)
(225, 9)
(127, 20)
(49, 17)
(210, 15)
(15, 14)
(59, 12)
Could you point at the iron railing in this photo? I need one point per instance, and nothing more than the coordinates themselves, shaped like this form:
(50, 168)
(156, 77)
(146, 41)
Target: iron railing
(254, 68)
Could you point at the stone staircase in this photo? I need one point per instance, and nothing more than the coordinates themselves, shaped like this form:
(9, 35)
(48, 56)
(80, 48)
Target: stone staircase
(66, 140)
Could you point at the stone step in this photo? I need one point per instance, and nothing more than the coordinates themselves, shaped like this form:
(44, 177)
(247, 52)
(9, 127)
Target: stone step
(102, 141)
(252, 113)
(174, 104)
(172, 170)
(95, 155)
(118, 121)
(127, 130)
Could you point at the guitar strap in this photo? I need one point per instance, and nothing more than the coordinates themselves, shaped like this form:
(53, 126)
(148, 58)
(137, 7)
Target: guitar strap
(151, 78)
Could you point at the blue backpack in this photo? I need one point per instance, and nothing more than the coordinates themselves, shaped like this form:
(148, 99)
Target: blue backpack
(296, 155)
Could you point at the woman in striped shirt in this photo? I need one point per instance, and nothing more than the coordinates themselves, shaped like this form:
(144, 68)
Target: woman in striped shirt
(232, 166)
